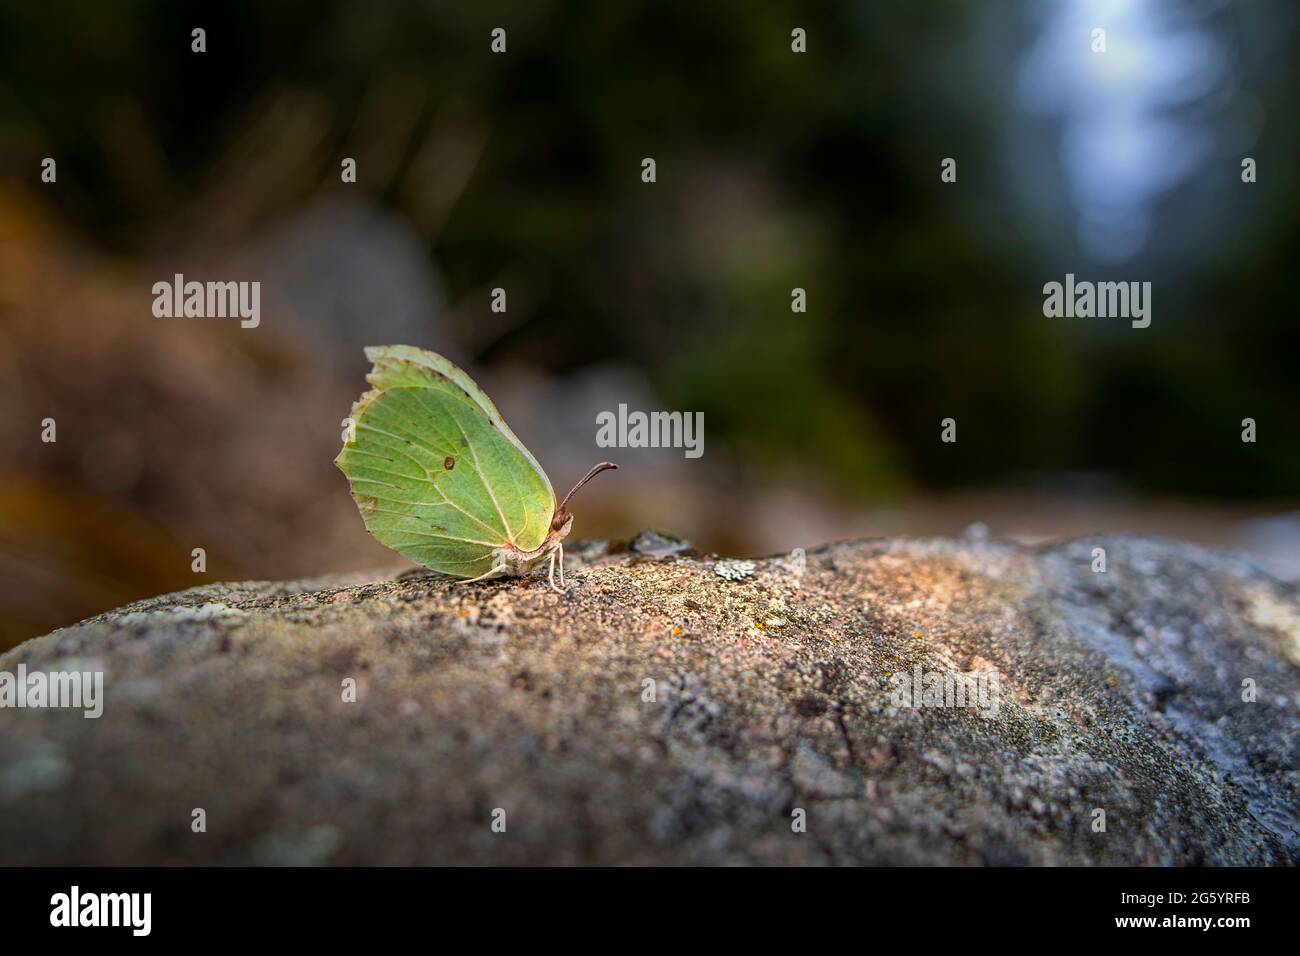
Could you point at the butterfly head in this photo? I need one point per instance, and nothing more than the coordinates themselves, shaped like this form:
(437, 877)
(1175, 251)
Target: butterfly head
(561, 524)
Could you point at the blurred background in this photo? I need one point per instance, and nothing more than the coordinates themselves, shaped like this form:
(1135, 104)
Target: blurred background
(775, 170)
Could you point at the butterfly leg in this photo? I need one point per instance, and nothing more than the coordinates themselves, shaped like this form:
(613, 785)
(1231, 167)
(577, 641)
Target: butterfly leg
(560, 561)
(551, 569)
(483, 577)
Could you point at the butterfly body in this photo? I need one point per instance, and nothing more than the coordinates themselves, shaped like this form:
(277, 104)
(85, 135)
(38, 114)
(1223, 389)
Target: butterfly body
(439, 477)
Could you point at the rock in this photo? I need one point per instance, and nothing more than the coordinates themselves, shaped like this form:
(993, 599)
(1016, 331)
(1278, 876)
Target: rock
(656, 544)
(659, 713)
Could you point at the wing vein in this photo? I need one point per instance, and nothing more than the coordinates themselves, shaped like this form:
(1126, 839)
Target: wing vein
(412, 440)
(430, 534)
(482, 524)
(478, 470)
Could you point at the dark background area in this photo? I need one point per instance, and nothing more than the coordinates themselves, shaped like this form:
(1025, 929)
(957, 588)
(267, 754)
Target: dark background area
(775, 170)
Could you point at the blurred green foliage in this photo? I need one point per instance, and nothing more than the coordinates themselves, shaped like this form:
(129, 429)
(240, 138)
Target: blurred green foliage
(775, 171)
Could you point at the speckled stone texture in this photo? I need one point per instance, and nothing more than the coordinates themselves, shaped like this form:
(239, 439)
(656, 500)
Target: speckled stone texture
(1120, 691)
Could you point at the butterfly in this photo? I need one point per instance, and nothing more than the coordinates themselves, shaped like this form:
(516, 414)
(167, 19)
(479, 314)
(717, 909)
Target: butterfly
(440, 478)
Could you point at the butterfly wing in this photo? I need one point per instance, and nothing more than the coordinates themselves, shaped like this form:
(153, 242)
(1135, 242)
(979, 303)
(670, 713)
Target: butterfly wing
(435, 471)
(397, 365)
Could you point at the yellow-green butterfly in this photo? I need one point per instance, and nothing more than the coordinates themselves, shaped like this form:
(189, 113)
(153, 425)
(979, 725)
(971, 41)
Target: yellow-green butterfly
(440, 478)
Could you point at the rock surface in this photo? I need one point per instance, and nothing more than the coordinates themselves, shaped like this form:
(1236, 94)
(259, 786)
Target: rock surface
(772, 695)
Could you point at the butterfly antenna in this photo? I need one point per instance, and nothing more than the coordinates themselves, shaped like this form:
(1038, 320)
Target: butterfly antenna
(603, 466)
